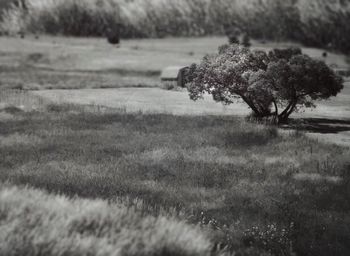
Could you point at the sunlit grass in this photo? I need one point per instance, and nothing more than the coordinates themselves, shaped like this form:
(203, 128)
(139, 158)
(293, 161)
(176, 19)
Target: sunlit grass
(223, 173)
(30, 78)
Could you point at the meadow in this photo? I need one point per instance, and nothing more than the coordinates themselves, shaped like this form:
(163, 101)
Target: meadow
(96, 159)
(55, 62)
(216, 185)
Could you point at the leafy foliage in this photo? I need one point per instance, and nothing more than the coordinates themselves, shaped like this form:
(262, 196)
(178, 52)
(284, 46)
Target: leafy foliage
(285, 79)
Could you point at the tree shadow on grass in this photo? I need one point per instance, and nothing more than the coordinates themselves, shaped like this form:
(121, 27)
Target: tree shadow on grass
(319, 125)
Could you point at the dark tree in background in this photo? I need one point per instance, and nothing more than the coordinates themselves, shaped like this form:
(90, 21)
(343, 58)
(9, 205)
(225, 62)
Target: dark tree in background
(232, 32)
(272, 84)
(325, 24)
(113, 35)
(246, 40)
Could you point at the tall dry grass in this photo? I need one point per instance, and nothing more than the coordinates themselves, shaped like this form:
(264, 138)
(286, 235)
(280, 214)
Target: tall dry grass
(325, 24)
(35, 223)
(315, 22)
(138, 18)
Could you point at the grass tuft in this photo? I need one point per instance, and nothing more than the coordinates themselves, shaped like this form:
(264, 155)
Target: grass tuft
(35, 223)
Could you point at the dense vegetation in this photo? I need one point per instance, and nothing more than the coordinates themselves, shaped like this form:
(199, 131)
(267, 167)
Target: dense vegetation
(282, 79)
(312, 22)
(257, 190)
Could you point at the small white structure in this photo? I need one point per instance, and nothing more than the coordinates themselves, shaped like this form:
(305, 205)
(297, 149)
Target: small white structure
(173, 77)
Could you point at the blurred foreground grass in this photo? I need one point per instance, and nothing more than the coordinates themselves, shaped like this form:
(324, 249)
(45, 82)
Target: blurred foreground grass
(35, 223)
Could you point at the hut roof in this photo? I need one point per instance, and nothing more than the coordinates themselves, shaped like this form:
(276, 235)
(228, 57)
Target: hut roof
(171, 72)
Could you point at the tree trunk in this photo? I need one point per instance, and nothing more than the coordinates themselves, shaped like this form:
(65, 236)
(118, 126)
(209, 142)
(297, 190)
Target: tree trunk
(283, 117)
(251, 105)
(275, 118)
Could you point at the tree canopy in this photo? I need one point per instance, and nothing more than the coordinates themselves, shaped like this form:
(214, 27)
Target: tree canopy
(272, 84)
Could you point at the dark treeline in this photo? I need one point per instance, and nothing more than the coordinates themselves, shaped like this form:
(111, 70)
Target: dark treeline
(312, 22)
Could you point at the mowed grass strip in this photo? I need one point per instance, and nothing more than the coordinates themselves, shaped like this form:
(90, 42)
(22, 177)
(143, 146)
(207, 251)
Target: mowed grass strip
(251, 185)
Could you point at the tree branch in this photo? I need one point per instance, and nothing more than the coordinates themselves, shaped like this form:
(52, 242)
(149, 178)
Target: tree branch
(276, 107)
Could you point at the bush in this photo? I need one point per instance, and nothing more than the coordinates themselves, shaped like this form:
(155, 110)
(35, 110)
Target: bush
(233, 39)
(246, 40)
(285, 79)
(113, 36)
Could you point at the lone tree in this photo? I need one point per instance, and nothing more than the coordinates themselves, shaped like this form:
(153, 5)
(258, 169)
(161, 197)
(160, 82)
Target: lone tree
(272, 84)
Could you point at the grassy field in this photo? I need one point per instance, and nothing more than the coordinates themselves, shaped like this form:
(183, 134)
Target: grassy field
(329, 121)
(75, 63)
(85, 172)
(247, 188)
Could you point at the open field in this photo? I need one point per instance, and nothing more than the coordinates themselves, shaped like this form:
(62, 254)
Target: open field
(111, 169)
(79, 63)
(250, 185)
(144, 56)
(329, 121)
(75, 63)
(156, 100)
